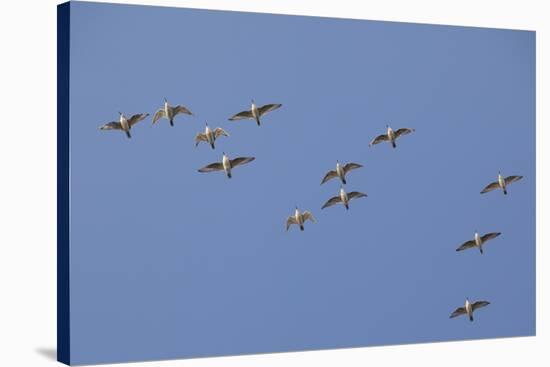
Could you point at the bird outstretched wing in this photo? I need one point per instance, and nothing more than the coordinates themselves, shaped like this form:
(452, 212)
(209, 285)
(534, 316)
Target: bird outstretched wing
(137, 118)
(489, 236)
(510, 179)
(492, 186)
(212, 167)
(181, 109)
(268, 108)
(114, 125)
(200, 137)
(466, 245)
(351, 166)
(158, 115)
(379, 139)
(328, 176)
(307, 215)
(241, 160)
(290, 220)
(242, 115)
(479, 304)
(332, 201)
(459, 311)
(356, 195)
(219, 132)
(403, 131)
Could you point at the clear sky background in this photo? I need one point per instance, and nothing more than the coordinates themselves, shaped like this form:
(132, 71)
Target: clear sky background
(167, 262)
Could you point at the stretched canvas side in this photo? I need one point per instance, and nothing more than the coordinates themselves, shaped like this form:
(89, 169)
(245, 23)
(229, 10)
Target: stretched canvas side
(63, 303)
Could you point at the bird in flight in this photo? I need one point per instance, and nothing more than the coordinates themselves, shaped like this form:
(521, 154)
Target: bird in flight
(391, 136)
(226, 164)
(469, 309)
(478, 241)
(255, 112)
(169, 112)
(501, 183)
(343, 198)
(340, 172)
(124, 123)
(209, 136)
(299, 219)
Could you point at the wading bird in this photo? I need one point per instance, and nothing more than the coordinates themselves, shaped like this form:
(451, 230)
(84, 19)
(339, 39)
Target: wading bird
(478, 241)
(169, 112)
(210, 135)
(226, 164)
(340, 172)
(255, 112)
(469, 309)
(123, 123)
(391, 136)
(299, 219)
(343, 198)
(501, 183)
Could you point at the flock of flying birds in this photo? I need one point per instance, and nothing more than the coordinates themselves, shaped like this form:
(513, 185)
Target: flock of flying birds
(478, 242)
(298, 218)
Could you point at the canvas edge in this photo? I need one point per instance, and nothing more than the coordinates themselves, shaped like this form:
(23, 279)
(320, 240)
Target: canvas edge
(232, 9)
(63, 74)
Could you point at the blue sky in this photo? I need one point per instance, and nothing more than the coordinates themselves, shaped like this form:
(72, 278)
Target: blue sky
(167, 262)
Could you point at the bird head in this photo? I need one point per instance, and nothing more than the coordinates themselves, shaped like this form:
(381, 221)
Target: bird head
(165, 100)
